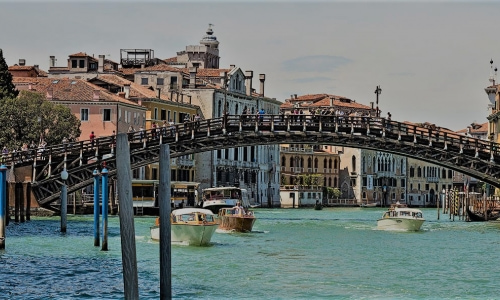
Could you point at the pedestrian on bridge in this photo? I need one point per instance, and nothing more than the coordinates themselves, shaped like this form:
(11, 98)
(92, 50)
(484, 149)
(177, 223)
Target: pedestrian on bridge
(92, 139)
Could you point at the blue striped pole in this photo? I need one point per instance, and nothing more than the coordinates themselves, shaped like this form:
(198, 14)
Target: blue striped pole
(96, 208)
(104, 190)
(3, 204)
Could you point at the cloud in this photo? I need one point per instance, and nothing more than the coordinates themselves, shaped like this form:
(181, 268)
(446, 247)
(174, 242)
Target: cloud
(315, 63)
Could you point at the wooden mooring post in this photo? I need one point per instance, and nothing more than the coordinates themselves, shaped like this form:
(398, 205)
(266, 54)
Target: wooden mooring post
(127, 231)
(165, 226)
(3, 204)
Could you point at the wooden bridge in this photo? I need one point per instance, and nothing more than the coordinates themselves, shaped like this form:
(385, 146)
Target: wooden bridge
(467, 155)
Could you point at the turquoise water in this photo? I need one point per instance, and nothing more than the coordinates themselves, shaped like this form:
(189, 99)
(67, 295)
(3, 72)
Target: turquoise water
(335, 253)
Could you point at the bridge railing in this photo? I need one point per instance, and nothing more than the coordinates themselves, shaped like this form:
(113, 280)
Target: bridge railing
(233, 123)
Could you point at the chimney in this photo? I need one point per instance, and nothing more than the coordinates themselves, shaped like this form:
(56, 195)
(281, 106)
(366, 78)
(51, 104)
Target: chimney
(262, 78)
(50, 94)
(126, 89)
(331, 101)
(30, 87)
(52, 61)
(232, 66)
(223, 76)
(100, 64)
(192, 77)
(295, 96)
(22, 62)
(139, 101)
(95, 95)
(248, 82)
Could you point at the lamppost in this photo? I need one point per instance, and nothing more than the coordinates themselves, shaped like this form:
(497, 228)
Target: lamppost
(64, 199)
(378, 91)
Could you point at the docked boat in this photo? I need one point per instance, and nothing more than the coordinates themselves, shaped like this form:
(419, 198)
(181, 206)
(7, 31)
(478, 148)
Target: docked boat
(236, 218)
(224, 197)
(193, 226)
(477, 216)
(318, 206)
(401, 217)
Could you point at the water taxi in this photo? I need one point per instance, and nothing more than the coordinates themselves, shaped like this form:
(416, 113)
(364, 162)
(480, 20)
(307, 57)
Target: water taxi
(400, 217)
(193, 226)
(224, 197)
(236, 218)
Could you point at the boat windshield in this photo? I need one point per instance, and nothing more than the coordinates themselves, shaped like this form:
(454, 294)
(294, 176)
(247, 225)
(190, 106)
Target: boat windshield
(195, 217)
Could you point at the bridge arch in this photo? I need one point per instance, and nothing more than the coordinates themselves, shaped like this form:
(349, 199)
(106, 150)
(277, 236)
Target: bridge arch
(467, 155)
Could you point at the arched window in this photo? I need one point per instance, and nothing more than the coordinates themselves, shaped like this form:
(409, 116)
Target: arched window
(330, 163)
(329, 181)
(301, 162)
(291, 162)
(335, 164)
(324, 164)
(419, 172)
(316, 163)
(236, 109)
(309, 162)
(283, 161)
(324, 181)
(443, 173)
(353, 163)
(219, 108)
(335, 182)
(412, 171)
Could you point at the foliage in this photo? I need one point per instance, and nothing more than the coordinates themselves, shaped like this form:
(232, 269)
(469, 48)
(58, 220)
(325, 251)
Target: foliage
(336, 193)
(310, 179)
(30, 119)
(7, 88)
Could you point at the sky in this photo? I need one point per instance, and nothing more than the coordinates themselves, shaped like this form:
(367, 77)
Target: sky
(430, 58)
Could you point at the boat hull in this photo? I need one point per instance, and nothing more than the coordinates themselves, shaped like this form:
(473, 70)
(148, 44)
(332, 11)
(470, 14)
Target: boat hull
(479, 217)
(194, 235)
(400, 224)
(237, 223)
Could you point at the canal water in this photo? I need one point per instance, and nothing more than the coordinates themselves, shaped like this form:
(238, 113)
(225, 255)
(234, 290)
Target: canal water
(335, 253)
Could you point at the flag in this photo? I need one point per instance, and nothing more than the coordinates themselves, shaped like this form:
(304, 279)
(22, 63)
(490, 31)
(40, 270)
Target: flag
(466, 183)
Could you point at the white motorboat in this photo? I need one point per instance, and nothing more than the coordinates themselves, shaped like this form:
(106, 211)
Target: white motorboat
(193, 226)
(401, 217)
(224, 197)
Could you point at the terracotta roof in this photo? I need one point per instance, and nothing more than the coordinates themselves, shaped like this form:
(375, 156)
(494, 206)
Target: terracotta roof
(79, 54)
(323, 100)
(210, 72)
(475, 128)
(171, 59)
(68, 89)
(21, 68)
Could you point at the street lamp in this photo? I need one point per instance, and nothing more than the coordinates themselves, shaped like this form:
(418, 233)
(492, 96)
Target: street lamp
(64, 199)
(378, 91)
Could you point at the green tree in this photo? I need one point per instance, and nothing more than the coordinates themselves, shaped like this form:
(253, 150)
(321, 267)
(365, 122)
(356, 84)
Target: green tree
(31, 118)
(7, 88)
(336, 193)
